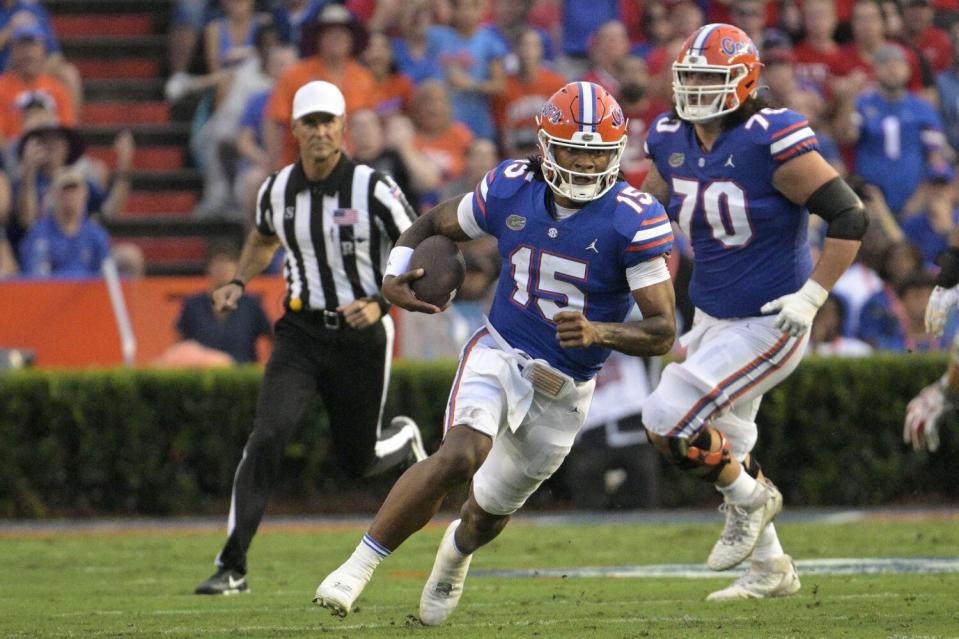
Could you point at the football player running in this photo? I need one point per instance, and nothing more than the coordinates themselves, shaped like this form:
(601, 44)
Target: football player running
(934, 402)
(740, 180)
(578, 247)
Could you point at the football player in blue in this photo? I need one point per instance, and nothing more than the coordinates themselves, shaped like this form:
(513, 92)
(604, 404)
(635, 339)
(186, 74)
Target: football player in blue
(578, 249)
(740, 180)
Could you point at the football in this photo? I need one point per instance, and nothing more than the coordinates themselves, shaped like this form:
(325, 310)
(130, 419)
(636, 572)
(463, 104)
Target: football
(443, 270)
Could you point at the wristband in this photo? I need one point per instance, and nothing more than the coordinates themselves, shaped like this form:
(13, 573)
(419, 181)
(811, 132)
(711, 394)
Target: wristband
(814, 292)
(399, 261)
(238, 282)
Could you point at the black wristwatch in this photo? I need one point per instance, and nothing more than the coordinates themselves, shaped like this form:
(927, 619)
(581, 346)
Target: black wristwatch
(239, 283)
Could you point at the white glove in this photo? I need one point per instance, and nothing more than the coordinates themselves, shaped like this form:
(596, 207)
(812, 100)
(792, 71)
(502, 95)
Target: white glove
(797, 310)
(923, 415)
(941, 301)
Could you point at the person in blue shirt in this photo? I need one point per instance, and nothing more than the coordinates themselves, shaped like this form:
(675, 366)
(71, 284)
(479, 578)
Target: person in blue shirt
(472, 59)
(898, 136)
(65, 243)
(416, 48)
(929, 229)
(893, 320)
(947, 83)
(578, 248)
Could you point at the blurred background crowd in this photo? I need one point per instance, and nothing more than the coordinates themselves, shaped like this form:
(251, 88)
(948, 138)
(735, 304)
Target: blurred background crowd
(439, 91)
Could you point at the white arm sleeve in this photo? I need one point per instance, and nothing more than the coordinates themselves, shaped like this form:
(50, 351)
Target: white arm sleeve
(647, 273)
(464, 213)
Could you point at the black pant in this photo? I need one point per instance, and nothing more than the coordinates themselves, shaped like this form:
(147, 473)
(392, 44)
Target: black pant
(348, 368)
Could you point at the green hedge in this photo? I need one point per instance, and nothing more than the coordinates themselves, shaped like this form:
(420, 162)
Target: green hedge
(161, 442)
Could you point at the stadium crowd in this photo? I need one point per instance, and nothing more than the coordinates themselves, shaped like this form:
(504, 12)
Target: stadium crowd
(438, 91)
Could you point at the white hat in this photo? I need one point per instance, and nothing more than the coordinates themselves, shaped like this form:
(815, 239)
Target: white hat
(318, 97)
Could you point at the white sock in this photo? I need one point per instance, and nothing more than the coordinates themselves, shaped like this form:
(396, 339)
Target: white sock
(740, 490)
(367, 556)
(768, 546)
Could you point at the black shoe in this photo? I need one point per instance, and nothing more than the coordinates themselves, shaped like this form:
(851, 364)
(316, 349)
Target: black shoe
(224, 582)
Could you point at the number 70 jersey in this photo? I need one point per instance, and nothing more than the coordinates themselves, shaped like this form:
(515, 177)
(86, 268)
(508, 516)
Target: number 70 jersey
(578, 263)
(749, 241)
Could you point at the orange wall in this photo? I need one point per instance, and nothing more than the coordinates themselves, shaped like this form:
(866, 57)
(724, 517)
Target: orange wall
(70, 323)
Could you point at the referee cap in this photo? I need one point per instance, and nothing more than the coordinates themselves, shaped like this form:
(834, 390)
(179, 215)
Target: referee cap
(318, 97)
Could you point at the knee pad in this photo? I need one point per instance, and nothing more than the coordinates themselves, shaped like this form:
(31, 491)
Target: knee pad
(696, 455)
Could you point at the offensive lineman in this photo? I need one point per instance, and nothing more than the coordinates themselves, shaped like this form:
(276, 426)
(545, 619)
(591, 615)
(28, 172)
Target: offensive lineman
(740, 180)
(578, 247)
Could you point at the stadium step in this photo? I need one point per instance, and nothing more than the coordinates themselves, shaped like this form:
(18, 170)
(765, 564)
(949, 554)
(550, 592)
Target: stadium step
(71, 27)
(117, 89)
(108, 7)
(172, 255)
(126, 113)
(162, 203)
(144, 134)
(167, 180)
(115, 47)
(129, 68)
(148, 158)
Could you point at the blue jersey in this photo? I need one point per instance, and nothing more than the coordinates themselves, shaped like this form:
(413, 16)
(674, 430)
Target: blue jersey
(578, 263)
(749, 241)
(894, 139)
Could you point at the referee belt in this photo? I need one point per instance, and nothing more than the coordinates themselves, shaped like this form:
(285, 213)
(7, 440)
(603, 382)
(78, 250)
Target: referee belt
(332, 320)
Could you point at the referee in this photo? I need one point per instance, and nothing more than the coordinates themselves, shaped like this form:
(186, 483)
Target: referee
(336, 220)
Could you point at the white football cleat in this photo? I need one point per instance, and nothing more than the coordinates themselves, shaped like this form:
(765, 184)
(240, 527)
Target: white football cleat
(744, 522)
(445, 586)
(339, 591)
(775, 577)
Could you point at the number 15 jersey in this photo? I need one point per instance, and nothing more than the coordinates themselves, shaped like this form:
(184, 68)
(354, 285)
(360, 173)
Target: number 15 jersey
(749, 241)
(580, 263)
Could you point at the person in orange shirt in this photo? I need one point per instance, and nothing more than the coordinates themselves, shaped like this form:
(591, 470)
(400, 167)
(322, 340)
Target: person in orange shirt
(439, 137)
(25, 82)
(526, 91)
(337, 37)
(393, 89)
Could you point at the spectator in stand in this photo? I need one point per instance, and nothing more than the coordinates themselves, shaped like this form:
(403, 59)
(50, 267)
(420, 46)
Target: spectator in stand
(580, 21)
(750, 16)
(393, 152)
(290, 16)
(66, 243)
(416, 49)
(440, 138)
(510, 23)
(229, 40)
(607, 47)
(898, 136)
(656, 30)
(894, 320)
(8, 259)
(882, 311)
(216, 143)
(16, 13)
(947, 82)
(825, 336)
(857, 59)
(234, 333)
(253, 165)
(929, 230)
(189, 19)
(920, 34)
(516, 108)
(818, 54)
(472, 60)
(481, 158)
(338, 37)
(25, 81)
(45, 152)
(640, 109)
(393, 89)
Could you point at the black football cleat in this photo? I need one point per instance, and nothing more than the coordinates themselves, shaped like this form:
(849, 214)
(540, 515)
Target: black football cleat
(224, 582)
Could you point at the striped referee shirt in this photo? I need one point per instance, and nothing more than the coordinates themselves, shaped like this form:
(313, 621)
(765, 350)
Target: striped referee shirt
(337, 233)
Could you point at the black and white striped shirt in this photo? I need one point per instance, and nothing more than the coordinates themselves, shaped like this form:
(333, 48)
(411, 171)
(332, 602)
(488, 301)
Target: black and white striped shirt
(337, 233)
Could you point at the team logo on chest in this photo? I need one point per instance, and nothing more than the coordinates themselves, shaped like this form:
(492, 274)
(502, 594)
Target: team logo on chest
(592, 246)
(516, 222)
(729, 161)
(676, 159)
(552, 232)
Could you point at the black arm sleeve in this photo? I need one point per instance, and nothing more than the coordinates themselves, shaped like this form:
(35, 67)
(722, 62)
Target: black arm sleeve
(842, 209)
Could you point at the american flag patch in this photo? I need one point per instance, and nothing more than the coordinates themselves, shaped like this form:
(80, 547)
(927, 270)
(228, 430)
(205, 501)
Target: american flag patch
(345, 217)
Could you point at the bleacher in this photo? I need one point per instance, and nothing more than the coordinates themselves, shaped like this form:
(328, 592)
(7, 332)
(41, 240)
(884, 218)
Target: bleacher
(120, 48)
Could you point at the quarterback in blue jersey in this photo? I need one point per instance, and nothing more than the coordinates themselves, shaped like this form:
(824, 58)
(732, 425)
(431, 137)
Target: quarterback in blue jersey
(578, 248)
(739, 180)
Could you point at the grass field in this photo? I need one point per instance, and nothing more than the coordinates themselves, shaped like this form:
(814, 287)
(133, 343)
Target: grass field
(137, 582)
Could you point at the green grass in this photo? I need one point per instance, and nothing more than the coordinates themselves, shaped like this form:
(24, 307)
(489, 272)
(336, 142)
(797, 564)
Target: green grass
(139, 584)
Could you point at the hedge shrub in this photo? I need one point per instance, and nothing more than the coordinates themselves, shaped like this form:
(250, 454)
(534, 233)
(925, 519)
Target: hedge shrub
(163, 442)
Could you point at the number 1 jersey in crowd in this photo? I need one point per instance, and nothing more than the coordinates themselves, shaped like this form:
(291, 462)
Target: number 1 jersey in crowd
(549, 265)
(749, 242)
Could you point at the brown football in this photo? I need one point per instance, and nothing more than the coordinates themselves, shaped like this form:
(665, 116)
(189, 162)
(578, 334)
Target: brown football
(444, 270)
